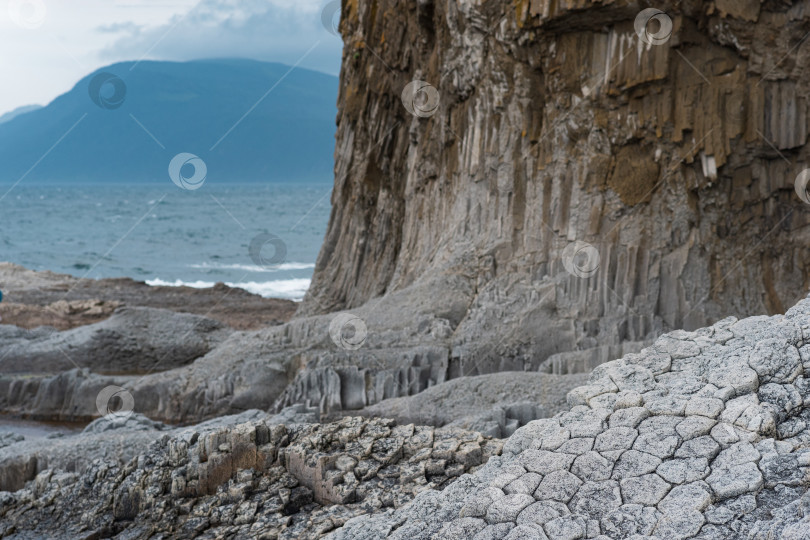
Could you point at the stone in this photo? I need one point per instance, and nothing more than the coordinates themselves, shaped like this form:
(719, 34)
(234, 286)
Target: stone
(736, 454)
(708, 407)
(657, 363)
(629, 520)
(594, 500)
(356, 476)
(741, 380)
(566, 528)
(494, 532)
(646, 490)
(577, 447)
(725, 434)
(558, 486)
(507, 508)
(784, 396)
(477, 503)
(508, 473)
(525, 437)
(542, 512)
(733, 508)
(781, 469)
(694, 496)
(525, 484)
(592, 466)
(524, 532)
(630, 417)
(7, 439)
(661, 445)
(545, 462)
(735, 480)
(680, 471)
(694, 426)
(699, 447)
(775, 361)
(617, 438)
(676, 348)
(679, 524)
(666, 405)
(635, 378)
(247, 474)
(635, 463)
(462, 528)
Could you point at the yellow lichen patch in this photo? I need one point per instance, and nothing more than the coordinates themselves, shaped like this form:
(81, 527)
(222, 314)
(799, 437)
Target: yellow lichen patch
(634, 175)
(521, 11)
(350, 10)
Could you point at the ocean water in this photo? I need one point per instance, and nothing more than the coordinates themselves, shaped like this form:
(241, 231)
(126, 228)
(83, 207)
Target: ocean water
(163, 235)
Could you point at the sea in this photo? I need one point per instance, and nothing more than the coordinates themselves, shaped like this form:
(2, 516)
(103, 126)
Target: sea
(164, 235)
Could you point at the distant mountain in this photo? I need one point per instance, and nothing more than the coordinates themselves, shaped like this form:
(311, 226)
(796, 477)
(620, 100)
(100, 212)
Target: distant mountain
(17, 112)
(246, 120)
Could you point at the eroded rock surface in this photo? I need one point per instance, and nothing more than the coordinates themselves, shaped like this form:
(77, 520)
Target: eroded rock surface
(704, 434)
(133, 340)
(495, 404)
(256, 479)
(555, 124)
(33, 299)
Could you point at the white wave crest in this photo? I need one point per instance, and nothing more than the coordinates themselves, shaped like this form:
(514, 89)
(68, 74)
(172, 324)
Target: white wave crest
(253, 267)
(290, 289)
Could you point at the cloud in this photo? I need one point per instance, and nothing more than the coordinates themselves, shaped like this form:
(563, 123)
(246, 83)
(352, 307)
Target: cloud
(119, 27)
(274, 30)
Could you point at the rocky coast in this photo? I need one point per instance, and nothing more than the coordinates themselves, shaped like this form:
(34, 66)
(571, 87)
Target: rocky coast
(562, 295)
(704, 434)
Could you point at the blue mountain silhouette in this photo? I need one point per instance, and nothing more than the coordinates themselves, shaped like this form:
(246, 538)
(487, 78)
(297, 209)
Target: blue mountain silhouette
(7, 117)
(247, 120)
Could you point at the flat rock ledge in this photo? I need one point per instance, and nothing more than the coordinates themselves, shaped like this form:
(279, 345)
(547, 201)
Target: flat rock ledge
(256, 479)
(702, 435)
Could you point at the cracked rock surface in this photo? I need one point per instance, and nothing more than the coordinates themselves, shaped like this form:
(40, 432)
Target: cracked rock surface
(704, 434)
(256, 479)
(677, 441)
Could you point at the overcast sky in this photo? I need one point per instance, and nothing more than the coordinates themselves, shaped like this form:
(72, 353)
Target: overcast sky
(46, 46)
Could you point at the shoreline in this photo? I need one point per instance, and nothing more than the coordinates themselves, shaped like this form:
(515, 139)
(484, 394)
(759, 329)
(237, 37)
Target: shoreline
(39, 429)
(33, 299)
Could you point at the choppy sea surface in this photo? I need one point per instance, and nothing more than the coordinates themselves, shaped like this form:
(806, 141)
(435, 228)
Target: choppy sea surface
(167, 236)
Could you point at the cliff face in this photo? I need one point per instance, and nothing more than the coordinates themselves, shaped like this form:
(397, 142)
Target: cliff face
(567, 192)
(665, 168)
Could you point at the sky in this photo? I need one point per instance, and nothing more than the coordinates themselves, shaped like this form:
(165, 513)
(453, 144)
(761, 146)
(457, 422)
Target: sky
(47, 46)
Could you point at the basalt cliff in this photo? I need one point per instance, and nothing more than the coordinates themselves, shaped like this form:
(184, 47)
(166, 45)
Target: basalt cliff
(553, 123)
(524, 192)
(565, 182)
